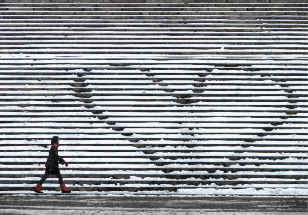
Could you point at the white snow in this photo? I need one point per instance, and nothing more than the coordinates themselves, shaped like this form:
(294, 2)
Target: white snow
(240, 79)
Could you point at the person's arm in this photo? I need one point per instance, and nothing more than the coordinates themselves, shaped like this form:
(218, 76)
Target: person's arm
(62, 161)
(54, 151)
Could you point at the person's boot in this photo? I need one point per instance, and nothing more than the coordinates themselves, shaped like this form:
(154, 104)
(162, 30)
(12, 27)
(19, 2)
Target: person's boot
(64, 190)
(38, 188)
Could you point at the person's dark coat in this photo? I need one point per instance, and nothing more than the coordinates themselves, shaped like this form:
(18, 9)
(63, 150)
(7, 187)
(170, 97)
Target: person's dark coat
(53, 158)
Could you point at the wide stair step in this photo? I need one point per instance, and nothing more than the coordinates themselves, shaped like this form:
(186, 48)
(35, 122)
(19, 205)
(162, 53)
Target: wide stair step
(155, 97)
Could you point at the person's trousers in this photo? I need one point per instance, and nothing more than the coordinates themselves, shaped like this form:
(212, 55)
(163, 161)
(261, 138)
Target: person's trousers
(53, 172)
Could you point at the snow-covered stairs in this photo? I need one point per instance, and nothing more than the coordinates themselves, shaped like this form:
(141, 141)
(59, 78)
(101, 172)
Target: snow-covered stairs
(152, 97)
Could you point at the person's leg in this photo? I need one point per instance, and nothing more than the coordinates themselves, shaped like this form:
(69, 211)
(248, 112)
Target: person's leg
(59, 177)
(45, 176)
(38, 188)
(62, 185)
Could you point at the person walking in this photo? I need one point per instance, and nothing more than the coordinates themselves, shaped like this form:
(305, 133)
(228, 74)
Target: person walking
(52, 166)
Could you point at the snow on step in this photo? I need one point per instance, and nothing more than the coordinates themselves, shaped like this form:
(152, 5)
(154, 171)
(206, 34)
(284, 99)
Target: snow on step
(155, 98)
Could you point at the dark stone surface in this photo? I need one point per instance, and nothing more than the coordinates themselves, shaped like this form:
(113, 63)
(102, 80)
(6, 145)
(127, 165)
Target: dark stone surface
(199, 203)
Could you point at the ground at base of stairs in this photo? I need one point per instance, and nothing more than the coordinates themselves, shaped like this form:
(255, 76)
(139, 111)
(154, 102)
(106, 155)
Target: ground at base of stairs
(141, 205)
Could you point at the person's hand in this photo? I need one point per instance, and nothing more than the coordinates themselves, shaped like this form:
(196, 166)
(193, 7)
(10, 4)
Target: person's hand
(66, 164)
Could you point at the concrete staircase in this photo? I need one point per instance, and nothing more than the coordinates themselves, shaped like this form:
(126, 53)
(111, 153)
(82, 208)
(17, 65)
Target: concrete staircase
(155, 97)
